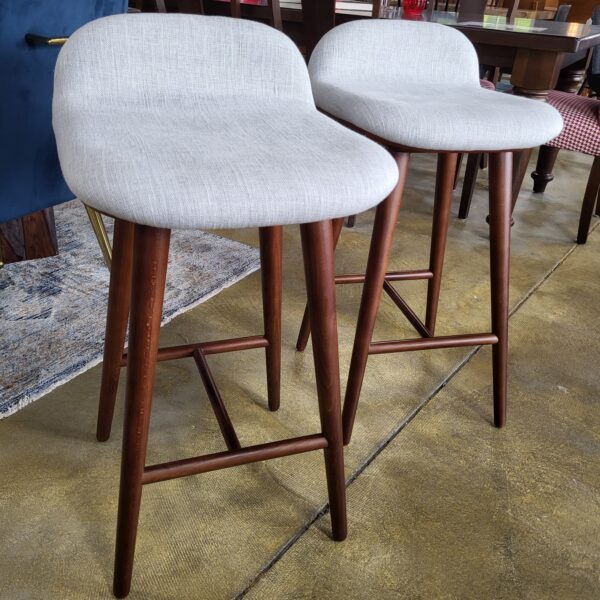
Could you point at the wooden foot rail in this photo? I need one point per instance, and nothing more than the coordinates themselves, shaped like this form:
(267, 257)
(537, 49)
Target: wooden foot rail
(390, 276)
(406, 310)
(225, 424)
(433, 343)
(224, 460)
(215, 347)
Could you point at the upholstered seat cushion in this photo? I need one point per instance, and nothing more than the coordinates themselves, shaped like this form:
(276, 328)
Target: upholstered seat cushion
(232, 166)
(417, 85)
(581, 116)
(427, 118)
(183, 121)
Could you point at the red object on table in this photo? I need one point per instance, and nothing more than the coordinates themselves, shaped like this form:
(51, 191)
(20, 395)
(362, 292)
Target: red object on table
(412, 9)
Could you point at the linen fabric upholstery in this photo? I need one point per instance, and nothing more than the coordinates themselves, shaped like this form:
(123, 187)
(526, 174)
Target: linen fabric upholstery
(184, 121)
(417, 85)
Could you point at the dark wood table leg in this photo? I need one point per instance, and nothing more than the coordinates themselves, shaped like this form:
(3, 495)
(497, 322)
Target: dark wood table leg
(32, 236)
(535, 73)
(542, 175)
(319, 18)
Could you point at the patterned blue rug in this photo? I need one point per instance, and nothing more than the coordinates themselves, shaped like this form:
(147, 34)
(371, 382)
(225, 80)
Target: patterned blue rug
(53, 311)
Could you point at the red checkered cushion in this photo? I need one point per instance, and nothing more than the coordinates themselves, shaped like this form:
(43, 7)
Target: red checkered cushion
(581, 115)
(488, 85)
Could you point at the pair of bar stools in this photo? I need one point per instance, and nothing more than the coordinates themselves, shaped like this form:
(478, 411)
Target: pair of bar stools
(201, 122)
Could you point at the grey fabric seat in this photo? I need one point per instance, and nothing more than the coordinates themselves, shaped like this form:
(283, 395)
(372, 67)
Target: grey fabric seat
(221, 132)
(417, 85)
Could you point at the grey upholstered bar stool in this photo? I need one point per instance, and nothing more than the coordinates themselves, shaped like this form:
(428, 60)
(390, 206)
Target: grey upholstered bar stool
(173, 121)
(414, 87)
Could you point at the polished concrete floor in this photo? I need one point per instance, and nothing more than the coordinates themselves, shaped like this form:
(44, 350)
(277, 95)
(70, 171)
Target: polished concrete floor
(440, 503)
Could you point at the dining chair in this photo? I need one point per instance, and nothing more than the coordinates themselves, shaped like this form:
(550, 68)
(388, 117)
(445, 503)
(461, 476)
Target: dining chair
(581, 133)
(154, 115)
(354, 82)
(32, 183)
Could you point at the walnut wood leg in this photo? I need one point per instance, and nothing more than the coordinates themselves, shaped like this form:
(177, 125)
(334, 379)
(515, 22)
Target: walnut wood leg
(591, 197)
(304, 333)
(351, 221)
(381, 242)
(318, 250)
(469, 185)
(542, 175)
(500, 211)
(119, 297)
(271, 276)
(457, 172)
(520, 163)
(441, 216)
(151, 249)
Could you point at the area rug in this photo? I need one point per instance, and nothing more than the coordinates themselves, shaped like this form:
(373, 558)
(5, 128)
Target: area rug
(53, 311)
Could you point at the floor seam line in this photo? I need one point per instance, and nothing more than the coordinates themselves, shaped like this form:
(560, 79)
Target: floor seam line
(279, 554)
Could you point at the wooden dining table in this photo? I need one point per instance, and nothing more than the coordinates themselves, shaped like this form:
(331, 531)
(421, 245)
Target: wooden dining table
(534, 51)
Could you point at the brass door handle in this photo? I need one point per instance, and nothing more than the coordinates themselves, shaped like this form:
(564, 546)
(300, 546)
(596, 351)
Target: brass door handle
(34, 39)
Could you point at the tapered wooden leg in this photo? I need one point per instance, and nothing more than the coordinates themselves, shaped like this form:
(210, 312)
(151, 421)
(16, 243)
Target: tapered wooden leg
(591, 197)
(469, 185)
(457, 171)
(520, 164)
(317, 246)
(381, 242)
(542, 175)
(271, 239)
(441, 216)
(304, 333)
(500, 216)
(119, 297)
(151, 249)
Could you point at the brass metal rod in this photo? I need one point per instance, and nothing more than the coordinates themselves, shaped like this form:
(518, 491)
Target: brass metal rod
(101, 234)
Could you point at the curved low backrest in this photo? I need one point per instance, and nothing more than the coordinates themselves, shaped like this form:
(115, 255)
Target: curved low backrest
(174, 61)
(381, 50)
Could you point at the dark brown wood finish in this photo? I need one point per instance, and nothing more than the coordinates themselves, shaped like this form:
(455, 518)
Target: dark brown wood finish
(386, 218)
(304, 333)
(500, 215)
(151, 250)
(30, 237)
(119, 298)
(147, 267)
(317, 248)
(214, 396)
(469, 185)
(590, 199)
(446, 173)
(271, 240)
(542, 175)
(226, 460)
(319, 18)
